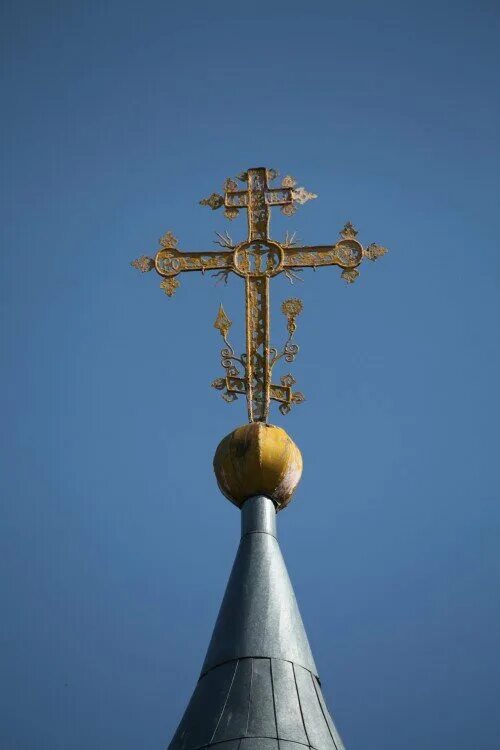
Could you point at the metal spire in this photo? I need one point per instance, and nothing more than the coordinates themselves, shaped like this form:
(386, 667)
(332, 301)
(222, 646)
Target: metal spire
(259, 688)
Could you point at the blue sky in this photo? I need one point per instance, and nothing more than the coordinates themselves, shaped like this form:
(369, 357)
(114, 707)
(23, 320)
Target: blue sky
(116, 544)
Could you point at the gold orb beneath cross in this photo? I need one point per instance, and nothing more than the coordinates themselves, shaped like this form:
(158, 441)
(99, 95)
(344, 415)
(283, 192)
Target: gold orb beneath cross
(258, 459)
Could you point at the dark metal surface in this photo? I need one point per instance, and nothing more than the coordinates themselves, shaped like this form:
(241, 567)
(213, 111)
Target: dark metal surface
(258, 515)
(259, 615)
(286, 699)
(258, 689)
(199, 724)
(258, 701)
(262, 721)
(316, 725)
(235, 715)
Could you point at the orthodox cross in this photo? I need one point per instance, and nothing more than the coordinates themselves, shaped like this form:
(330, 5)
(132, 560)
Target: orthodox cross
(257, 260)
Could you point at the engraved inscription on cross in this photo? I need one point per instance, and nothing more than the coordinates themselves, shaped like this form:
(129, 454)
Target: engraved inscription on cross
(257, 260)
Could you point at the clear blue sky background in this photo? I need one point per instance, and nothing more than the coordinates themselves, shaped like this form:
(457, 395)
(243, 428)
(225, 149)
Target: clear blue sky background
(116, 544)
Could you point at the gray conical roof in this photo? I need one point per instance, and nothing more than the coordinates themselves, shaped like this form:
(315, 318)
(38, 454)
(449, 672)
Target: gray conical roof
(259, 688)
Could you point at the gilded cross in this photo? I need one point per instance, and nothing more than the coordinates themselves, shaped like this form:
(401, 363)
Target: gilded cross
(257, 260)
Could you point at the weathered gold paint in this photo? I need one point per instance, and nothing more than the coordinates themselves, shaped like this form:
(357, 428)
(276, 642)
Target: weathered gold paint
(258, 459)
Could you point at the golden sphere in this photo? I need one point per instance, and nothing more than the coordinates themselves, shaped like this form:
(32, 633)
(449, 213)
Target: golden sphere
(258, 459)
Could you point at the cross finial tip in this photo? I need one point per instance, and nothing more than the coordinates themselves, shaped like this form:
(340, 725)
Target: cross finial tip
(349, 231)
(168, 240)
(301, 195)
(374, 251)
(215, 201)
(143, 264)
(222, 322)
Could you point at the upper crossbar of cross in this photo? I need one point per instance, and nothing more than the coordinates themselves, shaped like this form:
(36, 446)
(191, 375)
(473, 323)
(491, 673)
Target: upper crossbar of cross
(258, 199)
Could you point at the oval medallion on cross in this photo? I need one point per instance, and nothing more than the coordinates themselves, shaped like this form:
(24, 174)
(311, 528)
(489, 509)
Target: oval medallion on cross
(258, 258)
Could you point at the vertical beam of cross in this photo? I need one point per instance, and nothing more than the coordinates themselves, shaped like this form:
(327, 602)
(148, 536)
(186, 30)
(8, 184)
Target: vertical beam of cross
(258, 345)
(258, 200)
